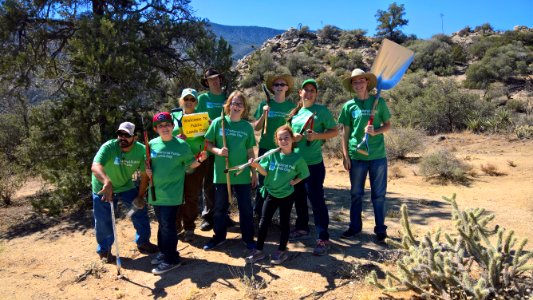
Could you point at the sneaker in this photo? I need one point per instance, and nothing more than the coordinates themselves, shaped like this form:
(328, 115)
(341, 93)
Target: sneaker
(348, 234)
(157, 259)
(380, 237)
(321, 248)
(212, 244)
(279, 257)
(148, 248)
(107, 257)
(298, 234)
(163, 267)
(188, 236)
(255, 255)
(206, 226)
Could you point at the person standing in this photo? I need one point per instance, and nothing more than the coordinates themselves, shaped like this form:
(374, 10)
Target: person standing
(170, 157)
(277, 112)
(322, 126)
(240, 141)
(188, 212)
(282, 170)
(354, 119)
(211, 102)
(112, 170)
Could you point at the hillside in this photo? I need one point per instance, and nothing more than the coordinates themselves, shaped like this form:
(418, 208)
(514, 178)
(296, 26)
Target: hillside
(243, 39)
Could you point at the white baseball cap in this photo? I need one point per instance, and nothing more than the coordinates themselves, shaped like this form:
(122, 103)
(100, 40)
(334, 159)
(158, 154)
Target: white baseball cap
(127, 127)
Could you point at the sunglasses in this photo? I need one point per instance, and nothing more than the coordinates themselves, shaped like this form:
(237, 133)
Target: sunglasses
(189, 99)
(238, 104)
(279, 84)
(124, 135)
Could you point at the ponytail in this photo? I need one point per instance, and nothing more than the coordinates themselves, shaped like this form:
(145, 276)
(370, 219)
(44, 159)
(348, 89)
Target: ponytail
(295, 111)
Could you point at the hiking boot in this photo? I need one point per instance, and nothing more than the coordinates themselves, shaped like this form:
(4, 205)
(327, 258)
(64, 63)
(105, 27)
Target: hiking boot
(380, 237)
(188, 236)
(298, 234)
(148, 248)
(206, 226)
(163, 267)
(255, 255)
(212, 244)
(157, 259)
(279, 257)
(321, 248)
(107, 257)
(348, 234)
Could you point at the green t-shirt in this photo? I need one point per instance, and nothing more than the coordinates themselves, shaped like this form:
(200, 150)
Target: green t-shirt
(211, 103)
(119, 166)
(355, 113)
(312, 153)
(277, 116)
(240, 138)
(169, 163)
(196, 142)
(281, 170)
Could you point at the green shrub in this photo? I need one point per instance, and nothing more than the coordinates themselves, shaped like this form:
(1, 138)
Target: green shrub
(353, 38)
(524, 131)
(400, 141)
(422, 100)
(516, 105)
(329, 32)
(11, 179)
(443, 166)
(301, 64)
(500, 64)
(465, 264)
(433, 55)
(465, 31)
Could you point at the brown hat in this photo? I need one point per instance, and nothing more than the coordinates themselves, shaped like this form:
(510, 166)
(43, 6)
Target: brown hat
(358, 73)
(210, 73)
(286, 77)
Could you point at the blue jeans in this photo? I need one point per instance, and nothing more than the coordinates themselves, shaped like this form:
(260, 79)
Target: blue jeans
(242, 192)
(167, 233)
(312, 188)
(103, 225)
(377, 170)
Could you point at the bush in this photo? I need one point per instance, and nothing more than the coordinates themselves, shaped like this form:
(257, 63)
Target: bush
(516, 105)
(466, 264)
(401, 141)
(433, 55)
(353, 38)
(11, 179)
(524, 131)
(259, 64)
(422, 100)
(500, 64)
(302, 64)
(443, 166)
(329, 33)
(465, 31)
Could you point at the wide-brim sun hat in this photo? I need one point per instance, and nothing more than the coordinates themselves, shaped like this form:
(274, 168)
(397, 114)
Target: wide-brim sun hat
(358, 73)
(286, 77)
(210, 73)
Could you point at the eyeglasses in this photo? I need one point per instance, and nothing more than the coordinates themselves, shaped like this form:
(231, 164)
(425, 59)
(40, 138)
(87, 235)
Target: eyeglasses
(238, 104)
(279, 84)
(124, 135)
(189, 99)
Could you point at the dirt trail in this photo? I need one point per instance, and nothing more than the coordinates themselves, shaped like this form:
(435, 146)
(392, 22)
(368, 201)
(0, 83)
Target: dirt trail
(43, 258)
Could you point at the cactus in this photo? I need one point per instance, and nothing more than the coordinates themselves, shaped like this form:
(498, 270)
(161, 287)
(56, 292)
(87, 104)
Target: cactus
(465, 264)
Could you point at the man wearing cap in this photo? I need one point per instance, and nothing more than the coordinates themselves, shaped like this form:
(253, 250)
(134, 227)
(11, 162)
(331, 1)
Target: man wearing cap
(212, 103)
(112, 170)
(277, 112)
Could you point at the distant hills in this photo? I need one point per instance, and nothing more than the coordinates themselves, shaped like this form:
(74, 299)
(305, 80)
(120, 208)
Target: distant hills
(244, 39)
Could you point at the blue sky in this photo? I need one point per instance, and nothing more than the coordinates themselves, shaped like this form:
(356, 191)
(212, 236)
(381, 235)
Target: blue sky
(424, 16)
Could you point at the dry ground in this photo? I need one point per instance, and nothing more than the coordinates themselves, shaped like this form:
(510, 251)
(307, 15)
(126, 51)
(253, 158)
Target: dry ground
(54, 258)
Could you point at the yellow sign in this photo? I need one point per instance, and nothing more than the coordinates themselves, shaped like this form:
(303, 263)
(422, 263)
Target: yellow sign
(195, 124)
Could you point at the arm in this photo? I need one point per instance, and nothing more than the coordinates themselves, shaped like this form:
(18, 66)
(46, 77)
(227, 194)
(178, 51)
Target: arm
(251, 155)
(107, 190)
(259, 123)
(295, 181)
(257, 166)
(345, 139)
(217, 151)
(201, 158)
(386, 127)
(328, 134)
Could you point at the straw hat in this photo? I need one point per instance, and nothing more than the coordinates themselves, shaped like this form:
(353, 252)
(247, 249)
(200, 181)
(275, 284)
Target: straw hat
(286, 77)
(358, 73)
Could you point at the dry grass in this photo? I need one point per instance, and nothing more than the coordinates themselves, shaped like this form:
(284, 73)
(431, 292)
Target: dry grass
(491, 170)
(511, 164)
(396, 172)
